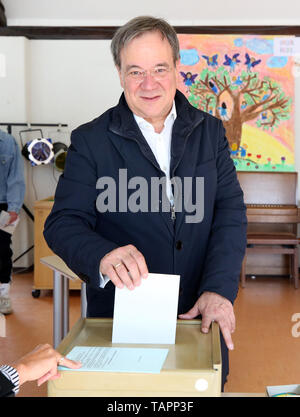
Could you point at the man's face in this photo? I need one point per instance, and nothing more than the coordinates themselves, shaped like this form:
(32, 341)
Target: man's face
(148, 76)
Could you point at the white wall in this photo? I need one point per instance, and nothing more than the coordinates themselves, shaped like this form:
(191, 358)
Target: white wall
(110, 13)
(71, 81)
(13, 84)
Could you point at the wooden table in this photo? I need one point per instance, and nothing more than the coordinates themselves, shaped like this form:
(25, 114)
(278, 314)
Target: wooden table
(61, 277)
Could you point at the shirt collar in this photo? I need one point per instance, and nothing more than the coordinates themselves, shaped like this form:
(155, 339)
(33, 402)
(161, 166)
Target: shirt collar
(142, 123)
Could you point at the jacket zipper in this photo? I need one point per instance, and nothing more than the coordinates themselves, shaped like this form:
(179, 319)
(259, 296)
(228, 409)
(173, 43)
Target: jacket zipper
(173, 215)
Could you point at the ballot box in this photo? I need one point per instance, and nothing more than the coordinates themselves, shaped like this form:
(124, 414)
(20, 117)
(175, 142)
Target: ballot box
(192, 367)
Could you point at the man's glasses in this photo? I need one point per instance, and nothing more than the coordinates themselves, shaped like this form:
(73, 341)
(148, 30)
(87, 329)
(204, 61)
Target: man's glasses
(158, 73)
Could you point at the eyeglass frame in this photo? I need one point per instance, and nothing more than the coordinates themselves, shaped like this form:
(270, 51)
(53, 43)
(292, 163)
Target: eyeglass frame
(138, 78)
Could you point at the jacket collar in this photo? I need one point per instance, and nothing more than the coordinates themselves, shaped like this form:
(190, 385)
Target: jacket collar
(143, 124)
(123, 123)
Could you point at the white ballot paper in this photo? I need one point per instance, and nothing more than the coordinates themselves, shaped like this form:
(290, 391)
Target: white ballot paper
(4, 219)
(117, 359)
(147, 314)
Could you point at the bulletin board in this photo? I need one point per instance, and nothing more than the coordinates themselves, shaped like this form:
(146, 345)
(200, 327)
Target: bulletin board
(238, 79)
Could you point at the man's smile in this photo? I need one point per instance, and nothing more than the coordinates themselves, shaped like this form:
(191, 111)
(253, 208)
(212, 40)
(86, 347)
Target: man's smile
(154, 98)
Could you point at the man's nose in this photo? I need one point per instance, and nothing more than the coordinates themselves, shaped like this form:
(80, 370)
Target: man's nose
(149, 81)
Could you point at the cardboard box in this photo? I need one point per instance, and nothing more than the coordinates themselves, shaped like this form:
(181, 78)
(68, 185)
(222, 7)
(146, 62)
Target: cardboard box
(191, 369)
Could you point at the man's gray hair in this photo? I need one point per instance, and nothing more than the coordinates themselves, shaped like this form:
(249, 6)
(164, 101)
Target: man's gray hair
(137, 27)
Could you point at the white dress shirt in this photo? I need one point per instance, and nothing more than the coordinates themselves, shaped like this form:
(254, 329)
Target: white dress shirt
(160, 144)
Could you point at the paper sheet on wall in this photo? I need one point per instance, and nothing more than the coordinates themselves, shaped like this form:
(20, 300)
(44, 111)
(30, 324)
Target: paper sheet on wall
(147, 314)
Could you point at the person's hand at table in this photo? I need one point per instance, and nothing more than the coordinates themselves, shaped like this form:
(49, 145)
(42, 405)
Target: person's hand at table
(124, 266)
(214, 307)
(41, 365)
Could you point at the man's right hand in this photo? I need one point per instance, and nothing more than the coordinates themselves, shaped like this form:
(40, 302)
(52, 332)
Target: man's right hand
(124, 266)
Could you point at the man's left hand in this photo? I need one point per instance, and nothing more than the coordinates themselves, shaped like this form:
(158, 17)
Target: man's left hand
(214, 307)
(13, 216)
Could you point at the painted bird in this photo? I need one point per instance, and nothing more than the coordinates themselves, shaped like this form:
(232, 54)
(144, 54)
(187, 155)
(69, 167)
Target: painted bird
(232, 62)
(251, 62)
(211, 60)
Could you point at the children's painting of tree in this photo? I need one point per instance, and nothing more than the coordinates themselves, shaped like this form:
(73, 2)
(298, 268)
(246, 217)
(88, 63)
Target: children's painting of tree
(240, 81)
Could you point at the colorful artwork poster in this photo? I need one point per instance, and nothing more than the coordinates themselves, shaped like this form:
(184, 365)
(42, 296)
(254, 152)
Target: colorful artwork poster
(239, 80)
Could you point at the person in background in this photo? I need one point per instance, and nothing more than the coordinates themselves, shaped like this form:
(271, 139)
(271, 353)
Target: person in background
(39, 364)
(12, 191)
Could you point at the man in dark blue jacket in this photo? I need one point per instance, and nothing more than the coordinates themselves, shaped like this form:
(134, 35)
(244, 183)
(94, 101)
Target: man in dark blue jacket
(108, 224)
